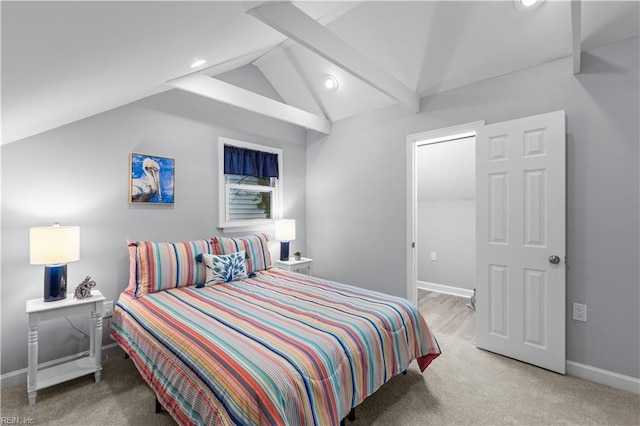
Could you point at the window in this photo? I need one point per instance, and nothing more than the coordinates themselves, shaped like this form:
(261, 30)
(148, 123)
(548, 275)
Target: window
(250, 185)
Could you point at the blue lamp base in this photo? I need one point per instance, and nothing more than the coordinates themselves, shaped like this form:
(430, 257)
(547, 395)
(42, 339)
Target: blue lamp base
(55, 282)
(284, 250)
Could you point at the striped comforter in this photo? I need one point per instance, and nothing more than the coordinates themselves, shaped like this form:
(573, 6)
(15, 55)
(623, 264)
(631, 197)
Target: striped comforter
(280, 348)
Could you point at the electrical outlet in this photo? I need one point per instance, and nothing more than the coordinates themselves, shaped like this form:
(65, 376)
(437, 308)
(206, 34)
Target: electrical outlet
(107, 311)
(580, 312)
(434, 256)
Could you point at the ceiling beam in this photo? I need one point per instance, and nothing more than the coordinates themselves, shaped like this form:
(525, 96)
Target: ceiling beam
(576, 33)
(300, 27)
(233, 95)
(236, 62)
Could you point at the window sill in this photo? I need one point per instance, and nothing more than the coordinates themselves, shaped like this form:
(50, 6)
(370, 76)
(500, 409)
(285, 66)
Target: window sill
(230, 229)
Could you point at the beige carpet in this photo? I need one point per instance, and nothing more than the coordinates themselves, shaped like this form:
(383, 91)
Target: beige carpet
(464, 386)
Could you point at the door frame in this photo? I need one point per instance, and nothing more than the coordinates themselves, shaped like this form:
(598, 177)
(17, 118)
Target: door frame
(413, 141)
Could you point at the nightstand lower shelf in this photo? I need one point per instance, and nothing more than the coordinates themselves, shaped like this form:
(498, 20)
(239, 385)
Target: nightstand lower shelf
(66, 371)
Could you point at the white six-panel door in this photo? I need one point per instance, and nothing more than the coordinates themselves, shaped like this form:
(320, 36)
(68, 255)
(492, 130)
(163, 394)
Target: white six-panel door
(521, 220)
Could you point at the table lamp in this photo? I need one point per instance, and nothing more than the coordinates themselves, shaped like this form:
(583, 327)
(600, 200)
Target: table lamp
(285, 232)
(54, 246)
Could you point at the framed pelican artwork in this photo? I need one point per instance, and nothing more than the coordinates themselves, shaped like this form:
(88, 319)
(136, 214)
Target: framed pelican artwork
(152, 179)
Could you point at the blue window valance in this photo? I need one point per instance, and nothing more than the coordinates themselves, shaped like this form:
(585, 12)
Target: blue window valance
(247, 162)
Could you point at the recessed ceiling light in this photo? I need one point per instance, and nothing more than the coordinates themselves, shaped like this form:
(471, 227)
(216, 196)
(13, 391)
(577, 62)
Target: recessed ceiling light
(199, 62)
(527, 5)
(330, 82)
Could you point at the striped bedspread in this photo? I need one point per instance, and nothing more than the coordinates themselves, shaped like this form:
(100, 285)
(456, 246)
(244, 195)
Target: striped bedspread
(281, 348)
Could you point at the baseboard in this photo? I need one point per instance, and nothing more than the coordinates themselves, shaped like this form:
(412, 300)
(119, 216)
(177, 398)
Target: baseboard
(20, 376)
(440, 288)
(605, 377)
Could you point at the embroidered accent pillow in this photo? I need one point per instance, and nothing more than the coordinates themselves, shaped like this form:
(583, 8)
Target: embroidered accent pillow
(161, 266)
(224, 268)
(258, 256)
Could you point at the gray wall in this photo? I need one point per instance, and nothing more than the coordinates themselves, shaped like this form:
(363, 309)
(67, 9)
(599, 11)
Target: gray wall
(448, 228)
(446, 215)
(79, 175)
(356, 190)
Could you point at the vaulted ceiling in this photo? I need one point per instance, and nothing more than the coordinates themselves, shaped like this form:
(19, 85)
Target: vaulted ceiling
(64, 61)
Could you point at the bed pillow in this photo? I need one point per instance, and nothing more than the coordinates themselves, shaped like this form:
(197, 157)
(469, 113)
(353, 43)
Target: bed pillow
(223, 268)
(256, 248)
(161, 266)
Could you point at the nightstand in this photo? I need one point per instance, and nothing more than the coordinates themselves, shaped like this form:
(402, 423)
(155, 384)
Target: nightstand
(303, 265)
(39, 310)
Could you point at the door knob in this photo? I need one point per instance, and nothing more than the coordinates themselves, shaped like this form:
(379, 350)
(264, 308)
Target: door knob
(554, 260)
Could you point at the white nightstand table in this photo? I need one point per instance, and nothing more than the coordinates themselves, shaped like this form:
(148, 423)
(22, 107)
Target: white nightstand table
(303, 265)
(39, 310)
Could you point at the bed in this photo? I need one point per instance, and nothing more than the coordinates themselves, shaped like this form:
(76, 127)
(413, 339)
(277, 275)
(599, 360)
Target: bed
(274, 347)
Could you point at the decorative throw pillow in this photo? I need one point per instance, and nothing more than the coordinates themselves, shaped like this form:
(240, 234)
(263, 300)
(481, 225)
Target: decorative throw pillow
(258, 256)
(160, 266)
(224, 268)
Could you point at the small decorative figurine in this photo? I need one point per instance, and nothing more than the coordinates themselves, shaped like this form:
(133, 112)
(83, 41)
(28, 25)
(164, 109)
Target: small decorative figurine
(84, 288)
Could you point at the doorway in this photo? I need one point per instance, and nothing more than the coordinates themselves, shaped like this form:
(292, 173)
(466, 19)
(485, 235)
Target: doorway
(444, 227)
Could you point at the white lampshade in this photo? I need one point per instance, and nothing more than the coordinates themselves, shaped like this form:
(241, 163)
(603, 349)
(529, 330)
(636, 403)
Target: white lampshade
(285, 229)
(50, 245)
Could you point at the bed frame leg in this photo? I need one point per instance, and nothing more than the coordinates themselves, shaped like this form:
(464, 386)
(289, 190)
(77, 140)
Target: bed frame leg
(404, 372)
(126, 356)
(352, 414)
(158, 406)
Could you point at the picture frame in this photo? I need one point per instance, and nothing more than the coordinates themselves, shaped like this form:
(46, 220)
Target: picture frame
(151, 179)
